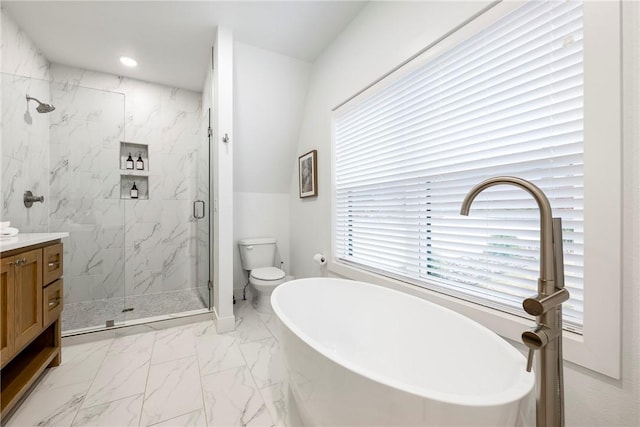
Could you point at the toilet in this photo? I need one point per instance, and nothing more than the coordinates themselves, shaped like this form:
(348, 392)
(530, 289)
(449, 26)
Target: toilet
(258, 257)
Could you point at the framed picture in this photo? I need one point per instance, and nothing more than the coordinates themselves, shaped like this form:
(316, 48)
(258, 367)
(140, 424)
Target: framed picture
(308, 174)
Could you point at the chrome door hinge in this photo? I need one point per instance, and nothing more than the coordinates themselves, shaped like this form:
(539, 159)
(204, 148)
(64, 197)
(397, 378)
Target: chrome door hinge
(210, 284)
(210, 131)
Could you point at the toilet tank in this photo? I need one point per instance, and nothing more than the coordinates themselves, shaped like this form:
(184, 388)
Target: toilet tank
(257, 253)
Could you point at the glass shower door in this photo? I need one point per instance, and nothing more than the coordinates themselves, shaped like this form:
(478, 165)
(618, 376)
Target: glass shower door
(202, 214)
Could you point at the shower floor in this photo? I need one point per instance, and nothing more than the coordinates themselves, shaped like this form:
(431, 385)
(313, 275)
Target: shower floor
(93, 314)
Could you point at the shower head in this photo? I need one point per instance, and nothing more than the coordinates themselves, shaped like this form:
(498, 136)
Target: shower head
(42, 107)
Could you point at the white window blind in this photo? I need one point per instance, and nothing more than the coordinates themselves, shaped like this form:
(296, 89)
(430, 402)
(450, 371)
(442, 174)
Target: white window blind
(506, 101)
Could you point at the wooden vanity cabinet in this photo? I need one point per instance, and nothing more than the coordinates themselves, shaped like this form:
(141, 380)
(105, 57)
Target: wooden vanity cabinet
(7, 308)
(30, 329)
(28, 297)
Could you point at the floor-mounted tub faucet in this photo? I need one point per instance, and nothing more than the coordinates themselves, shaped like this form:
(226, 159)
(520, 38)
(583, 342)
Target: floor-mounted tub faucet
(546, 306)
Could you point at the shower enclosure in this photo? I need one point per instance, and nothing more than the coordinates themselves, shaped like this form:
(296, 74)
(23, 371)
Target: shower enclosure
(131, 256)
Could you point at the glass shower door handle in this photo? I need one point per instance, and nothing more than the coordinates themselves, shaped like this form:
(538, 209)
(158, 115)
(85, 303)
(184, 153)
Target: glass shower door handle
(195, 209)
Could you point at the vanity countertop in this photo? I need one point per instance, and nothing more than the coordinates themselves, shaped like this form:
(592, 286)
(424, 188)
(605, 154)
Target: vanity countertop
(23, 240)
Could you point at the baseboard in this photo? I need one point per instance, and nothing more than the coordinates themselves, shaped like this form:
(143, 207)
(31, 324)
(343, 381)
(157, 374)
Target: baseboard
(224, 324)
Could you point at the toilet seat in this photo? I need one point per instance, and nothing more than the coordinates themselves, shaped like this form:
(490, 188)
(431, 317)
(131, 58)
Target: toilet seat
(267, 276)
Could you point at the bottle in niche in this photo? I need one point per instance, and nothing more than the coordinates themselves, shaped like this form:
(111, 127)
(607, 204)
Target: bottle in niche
(134, 191)
(129, 162)
(139, 163)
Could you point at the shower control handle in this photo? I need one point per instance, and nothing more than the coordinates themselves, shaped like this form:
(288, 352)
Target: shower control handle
(29, 199)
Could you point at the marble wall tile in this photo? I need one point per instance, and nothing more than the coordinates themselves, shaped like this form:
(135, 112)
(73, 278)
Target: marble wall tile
(144, 211)
(176, 219)
(80, 142)
(169, 121)
(112, 285)
(175, 268)
(79, 288)
(19, 55)
(112, 236)
(137, 259)
(145, 235)
(144, 282)
(84, 253)
(25, 149)
(171, 389)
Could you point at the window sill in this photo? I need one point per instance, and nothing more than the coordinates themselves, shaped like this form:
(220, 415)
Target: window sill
(575, 349)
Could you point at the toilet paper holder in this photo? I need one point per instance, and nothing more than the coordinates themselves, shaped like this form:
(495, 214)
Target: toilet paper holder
(320, 259)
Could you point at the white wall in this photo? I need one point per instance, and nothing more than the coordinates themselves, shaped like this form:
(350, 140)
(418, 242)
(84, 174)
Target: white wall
(269, 95)
(370, 47)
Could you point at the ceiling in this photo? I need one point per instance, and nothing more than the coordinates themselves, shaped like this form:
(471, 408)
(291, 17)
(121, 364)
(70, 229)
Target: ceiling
(171, 39)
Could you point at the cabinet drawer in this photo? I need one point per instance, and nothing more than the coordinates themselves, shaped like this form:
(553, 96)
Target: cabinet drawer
(52, 302)
(52, 268)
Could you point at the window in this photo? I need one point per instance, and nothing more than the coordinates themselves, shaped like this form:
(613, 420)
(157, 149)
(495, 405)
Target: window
(504, 97)
(506, 101)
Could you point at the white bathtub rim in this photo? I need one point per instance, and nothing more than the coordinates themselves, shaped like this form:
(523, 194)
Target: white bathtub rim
(522, 385)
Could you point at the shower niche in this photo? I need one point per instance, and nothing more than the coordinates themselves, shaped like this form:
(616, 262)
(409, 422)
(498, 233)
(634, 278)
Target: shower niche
(134, 161)
(134, 187)
(134, 157)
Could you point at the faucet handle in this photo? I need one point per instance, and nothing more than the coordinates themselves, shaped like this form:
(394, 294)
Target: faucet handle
(540, 304)
(530, 360)
(535, 339)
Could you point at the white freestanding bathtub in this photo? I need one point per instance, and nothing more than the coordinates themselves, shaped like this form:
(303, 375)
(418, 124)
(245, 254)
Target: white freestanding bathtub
(358, 354)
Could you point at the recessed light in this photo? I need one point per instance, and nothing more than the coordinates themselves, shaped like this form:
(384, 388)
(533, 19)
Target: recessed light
(129, 62)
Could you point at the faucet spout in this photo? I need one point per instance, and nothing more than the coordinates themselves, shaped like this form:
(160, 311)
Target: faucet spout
(547, 270)
(546, 337)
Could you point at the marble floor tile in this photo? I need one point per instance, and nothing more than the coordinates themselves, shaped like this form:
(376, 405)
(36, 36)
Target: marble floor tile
(232, 399)
(217, 353)
(173, 343)
(136, 343)
(271, 322)
(80, 363)
(275, 398)
(264, 360)
(157, 376)
(51, 406)
(122, 413)
(250, 328)
(192, 419)
(173, 389)
(121, 375)
(205, 328)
